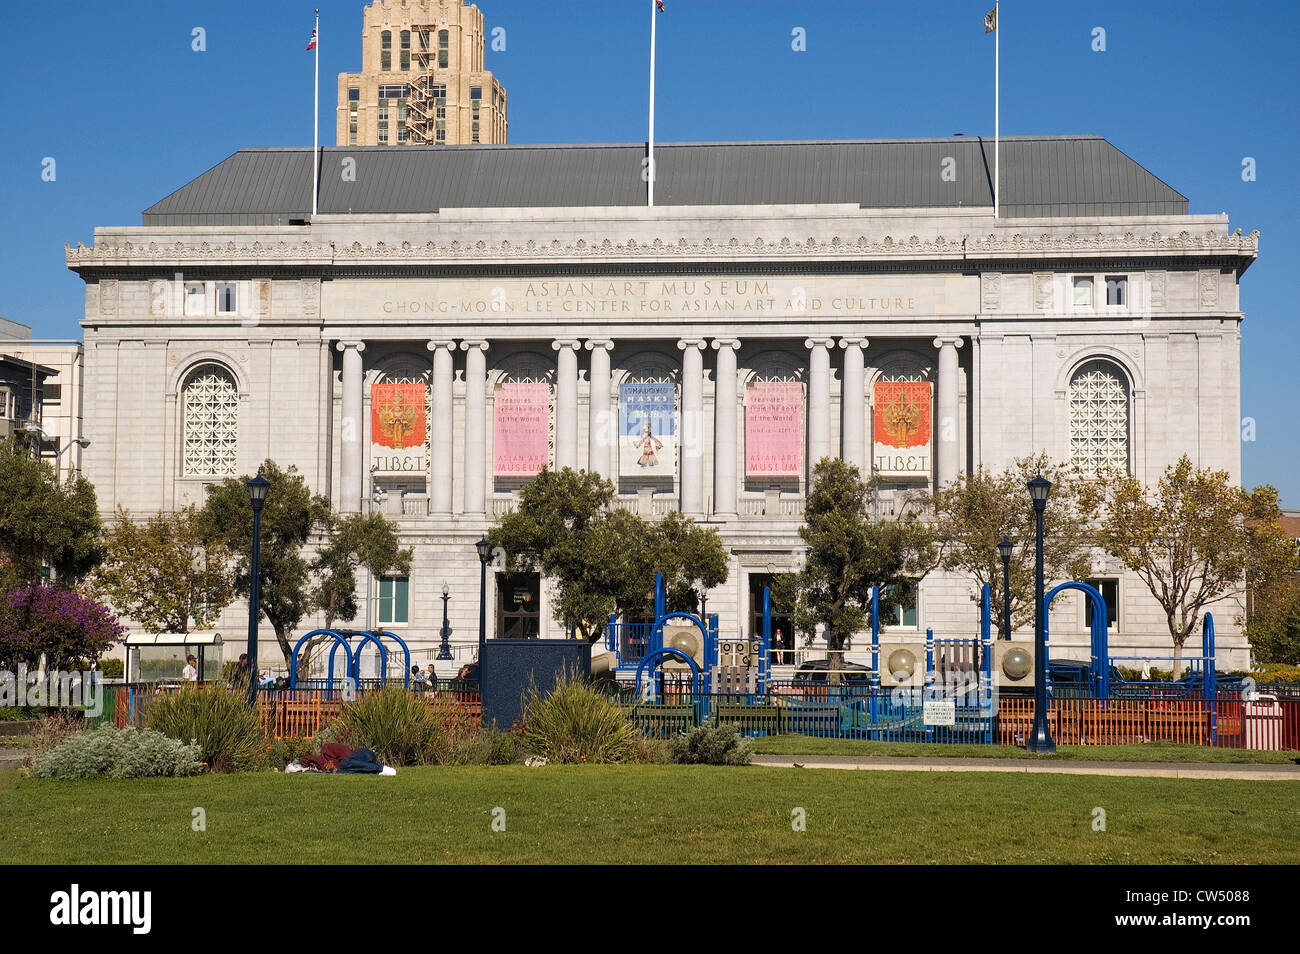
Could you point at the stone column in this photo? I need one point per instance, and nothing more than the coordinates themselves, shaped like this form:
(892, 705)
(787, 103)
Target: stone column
(724, 428)
(602, 424)
(947, 431)
(566, 403)
(440, 445)
(692, 434)
(853, 435)
(476, 426)
(819, 400)
(351, 429)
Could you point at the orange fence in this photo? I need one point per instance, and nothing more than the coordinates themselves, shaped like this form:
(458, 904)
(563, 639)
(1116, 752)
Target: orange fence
(301, 713)
(1225, 723)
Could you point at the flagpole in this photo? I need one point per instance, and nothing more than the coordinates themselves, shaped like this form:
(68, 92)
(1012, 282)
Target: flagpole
(315, 129)
(650, 185)
(997, 33)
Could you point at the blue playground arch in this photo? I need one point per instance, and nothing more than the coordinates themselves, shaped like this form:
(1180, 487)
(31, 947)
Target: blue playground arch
(352, 668)
(338, 641)
(659, 654)
(1099, 664)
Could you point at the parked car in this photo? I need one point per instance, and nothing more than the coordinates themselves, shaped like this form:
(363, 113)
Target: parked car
(817, 672)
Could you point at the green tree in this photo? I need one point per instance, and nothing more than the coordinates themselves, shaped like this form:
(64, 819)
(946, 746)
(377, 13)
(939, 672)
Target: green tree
(976, 511)
(1194, 539)
(44, 522)
(291, 514)
(352, 542)
(848, 553)
(599, 558)
(164, 574)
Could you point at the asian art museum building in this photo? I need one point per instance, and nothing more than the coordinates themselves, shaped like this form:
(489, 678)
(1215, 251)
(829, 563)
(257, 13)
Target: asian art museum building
(454, 319)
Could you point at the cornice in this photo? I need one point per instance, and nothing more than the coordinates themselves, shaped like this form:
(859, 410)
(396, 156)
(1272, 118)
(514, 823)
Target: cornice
(860, 248)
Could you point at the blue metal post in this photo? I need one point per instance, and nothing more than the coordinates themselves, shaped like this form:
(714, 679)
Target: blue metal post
(875, 636)
(929, 658)
(661, 598)
(764, 662)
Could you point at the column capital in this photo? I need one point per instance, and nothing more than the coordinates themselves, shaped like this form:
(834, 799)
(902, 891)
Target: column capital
(470, 344)
(855, 343)
(720, 343)
(819, 342)
(345, 345)
(955, 340)
(437, 344)
(559, 344)
(685, 344)
(604, 343)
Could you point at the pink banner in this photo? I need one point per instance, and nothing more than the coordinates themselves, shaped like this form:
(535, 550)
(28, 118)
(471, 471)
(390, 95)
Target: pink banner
(521, 429)
(774, 429)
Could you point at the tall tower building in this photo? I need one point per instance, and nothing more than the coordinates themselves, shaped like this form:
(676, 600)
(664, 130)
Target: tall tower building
(422, 79)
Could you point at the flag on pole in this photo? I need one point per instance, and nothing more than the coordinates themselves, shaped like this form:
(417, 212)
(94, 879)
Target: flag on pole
(311, 44)
(660, 5)
(991, 20)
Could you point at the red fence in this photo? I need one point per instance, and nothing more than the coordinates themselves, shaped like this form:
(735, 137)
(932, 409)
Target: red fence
(1224, 723)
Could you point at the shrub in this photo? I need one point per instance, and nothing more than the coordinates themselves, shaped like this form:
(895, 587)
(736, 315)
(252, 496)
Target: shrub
(712, 745)
(406, 728)
(120, 753)
(1275, 672)
(54, 729)
(648, 751)
(283, 751)
(576, 723)
(226, 730)
(112, 668)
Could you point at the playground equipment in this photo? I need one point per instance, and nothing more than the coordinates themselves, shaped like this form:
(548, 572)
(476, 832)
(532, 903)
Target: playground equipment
(352, 666)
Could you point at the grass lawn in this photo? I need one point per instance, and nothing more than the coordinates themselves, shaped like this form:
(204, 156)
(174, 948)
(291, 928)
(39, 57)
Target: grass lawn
(629, 814)
(1149, 752)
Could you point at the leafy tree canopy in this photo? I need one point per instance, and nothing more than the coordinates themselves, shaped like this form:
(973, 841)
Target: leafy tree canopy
(43, 521)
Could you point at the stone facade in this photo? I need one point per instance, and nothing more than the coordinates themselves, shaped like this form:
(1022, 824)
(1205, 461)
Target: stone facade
(422, 61)
(831, 299)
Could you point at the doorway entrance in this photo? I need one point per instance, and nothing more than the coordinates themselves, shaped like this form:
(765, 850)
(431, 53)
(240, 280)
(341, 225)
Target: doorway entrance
(782, 625)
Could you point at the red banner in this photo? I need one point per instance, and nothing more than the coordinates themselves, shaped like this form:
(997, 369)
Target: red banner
(900, 426)
(397, 415)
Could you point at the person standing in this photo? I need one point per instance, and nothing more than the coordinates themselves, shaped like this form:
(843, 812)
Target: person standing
(191, 671)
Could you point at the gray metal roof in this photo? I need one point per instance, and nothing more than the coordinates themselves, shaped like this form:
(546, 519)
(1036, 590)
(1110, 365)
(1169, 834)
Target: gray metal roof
(1041, 176)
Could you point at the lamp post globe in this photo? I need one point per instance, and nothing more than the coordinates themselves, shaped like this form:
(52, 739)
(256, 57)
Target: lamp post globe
(1039, 740)
(258, 488)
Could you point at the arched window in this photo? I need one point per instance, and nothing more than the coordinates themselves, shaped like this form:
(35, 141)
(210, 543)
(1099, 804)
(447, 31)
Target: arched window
(1099, 419)
(210, 409)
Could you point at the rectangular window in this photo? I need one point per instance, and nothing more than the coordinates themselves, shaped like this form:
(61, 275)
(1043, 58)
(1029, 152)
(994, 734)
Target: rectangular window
(194, 304)
(1109, 590)
(354, 95)
(406, 60)
(440, 112)
(442, 49)
(476, 92)
(1116, 289)
(442, 132)
(383, 132)
(1083, 292)
(226, 300)
(439, 91)
(383, 110)
(402, 133)
(386, 60)
(51, 393)
(904, 614)
(394, 601)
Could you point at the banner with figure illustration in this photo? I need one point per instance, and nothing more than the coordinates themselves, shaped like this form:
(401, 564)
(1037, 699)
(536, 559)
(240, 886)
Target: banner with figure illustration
(398, 431)
(900, 428)
(521, 429)
(774, 429)
(647, 429)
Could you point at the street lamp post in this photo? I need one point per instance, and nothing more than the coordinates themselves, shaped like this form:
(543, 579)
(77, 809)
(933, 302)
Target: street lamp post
(444, 651)
(1004, 551)
(1039, 740)
(257, 490)
(482, 546)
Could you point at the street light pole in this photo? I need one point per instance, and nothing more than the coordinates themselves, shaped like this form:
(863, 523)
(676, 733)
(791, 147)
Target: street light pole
(444, 651)
(1039, 741)
(257, 490)
(482, 547)
(1004, 551)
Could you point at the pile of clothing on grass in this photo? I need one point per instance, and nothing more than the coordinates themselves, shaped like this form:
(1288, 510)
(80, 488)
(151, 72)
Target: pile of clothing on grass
(336, 759)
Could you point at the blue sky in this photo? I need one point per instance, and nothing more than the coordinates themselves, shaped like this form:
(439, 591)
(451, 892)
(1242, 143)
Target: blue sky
(115, 95)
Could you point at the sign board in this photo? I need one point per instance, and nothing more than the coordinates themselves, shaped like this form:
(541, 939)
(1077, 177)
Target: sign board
(774, 429)
(521, 429)
(939, 712)
(647, 429)
(398, 428)
(901, 429)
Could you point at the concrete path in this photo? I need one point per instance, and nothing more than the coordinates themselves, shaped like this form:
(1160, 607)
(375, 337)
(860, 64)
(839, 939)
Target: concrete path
(12, 758)
(1238, 770)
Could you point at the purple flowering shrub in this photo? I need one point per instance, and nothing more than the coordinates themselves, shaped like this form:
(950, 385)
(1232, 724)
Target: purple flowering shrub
(56, 621)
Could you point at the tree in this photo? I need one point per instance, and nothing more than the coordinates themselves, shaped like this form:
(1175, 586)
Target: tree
(848, 554)
(602, 559)
(54, 621)
(976, 511)
(164, 574)
(1273, 626)
(355, 541)
(1194, 540)
(43, 521)
(291, 514)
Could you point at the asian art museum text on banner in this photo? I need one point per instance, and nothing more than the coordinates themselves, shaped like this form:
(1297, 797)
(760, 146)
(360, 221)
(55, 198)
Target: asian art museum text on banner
(521, 429)
(774, 429)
